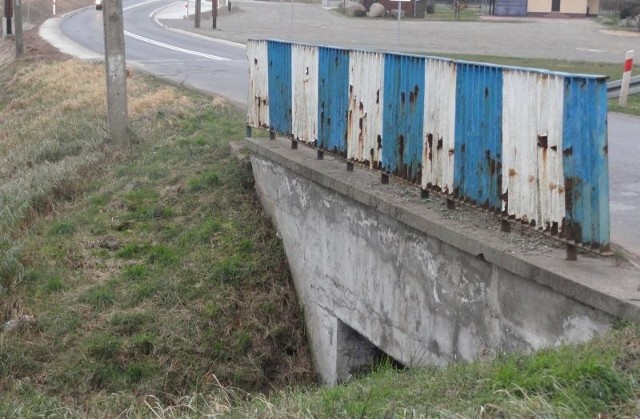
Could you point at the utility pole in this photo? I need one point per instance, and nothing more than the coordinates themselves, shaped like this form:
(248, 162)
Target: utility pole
(214, 13)
(19, 39)
(114, 58)
(197, 16)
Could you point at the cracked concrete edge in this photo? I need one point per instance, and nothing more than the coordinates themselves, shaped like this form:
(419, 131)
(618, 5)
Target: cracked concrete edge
(591, 281)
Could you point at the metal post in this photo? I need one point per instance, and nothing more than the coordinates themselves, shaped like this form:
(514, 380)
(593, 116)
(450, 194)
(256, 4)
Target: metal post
(19, 39)
(8, 14)
(626, 78)
(114, 58)
(398, 31)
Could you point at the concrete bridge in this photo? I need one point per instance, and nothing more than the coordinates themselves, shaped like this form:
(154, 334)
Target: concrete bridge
(439, 235)
(379, 269)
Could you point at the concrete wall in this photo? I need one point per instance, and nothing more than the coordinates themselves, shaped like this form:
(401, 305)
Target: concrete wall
(373, 271)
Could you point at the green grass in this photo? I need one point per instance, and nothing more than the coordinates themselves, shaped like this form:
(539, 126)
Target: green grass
(598, 379)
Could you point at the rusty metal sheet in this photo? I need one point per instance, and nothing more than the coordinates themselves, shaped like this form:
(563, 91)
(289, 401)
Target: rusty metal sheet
(585, 161)
(280, 104)
(304, 91)
(478, 134)
(364, 118)
(333, 99)
(533, 180)
(403, 116)
(258, 100)
(531, 143)
(439, 125)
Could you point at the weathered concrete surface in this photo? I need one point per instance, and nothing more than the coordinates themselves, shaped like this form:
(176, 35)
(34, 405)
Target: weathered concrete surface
(373, 263)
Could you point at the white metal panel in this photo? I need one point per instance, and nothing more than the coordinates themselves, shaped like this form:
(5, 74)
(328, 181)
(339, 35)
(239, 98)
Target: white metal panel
(532, 172)
(439, 125)
(364, 127)
(258, 100)
(304, 91)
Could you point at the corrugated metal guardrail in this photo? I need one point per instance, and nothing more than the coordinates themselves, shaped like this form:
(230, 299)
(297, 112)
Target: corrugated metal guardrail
(613, 88)
(531, 144)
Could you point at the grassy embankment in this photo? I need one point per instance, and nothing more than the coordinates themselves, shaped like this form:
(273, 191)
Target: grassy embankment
(149, 272)
(147, 282)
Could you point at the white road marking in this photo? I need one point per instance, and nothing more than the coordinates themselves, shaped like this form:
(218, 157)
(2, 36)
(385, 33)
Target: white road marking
(174, 48)
(167, 46)
(590, 50)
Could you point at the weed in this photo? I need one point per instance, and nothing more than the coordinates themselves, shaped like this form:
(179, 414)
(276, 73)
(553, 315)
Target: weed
(104, 346)
(62, 227)
(53, 285)
(135, 272)
(142, 343)
(100, 296)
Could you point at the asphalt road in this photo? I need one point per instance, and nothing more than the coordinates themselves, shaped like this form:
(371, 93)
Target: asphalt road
(197, 62)
(191, 57)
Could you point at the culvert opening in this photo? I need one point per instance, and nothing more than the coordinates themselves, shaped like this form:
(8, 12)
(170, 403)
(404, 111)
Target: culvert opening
(356, 355)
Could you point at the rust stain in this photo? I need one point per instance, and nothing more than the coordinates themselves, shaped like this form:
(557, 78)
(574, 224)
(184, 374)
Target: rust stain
(429, 148)
(512, 172)
(553, 186)
(532, 179)
(543, 141)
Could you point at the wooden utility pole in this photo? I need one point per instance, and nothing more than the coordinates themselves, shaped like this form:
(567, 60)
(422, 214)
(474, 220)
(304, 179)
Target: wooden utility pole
(197, 16)
(114, 58)
(17, 9)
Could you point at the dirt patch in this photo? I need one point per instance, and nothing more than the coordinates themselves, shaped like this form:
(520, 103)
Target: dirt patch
(624, 34)
(35, 48)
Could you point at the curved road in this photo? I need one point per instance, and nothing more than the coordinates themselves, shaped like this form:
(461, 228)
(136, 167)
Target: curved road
(220, 67)
(195, 61)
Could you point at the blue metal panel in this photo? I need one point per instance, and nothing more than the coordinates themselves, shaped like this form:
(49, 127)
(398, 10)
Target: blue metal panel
(478, 135)
(511, 7)
(403, 116)
(333, 99)
(279, 54)
(585, 161)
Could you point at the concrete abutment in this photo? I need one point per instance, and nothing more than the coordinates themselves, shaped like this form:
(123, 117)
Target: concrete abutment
(378, 270)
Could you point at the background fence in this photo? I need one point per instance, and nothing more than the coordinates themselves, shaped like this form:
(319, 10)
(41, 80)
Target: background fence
(529, 143)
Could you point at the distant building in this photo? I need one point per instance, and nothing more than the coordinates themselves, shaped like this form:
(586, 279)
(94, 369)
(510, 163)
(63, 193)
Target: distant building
(550, 8)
